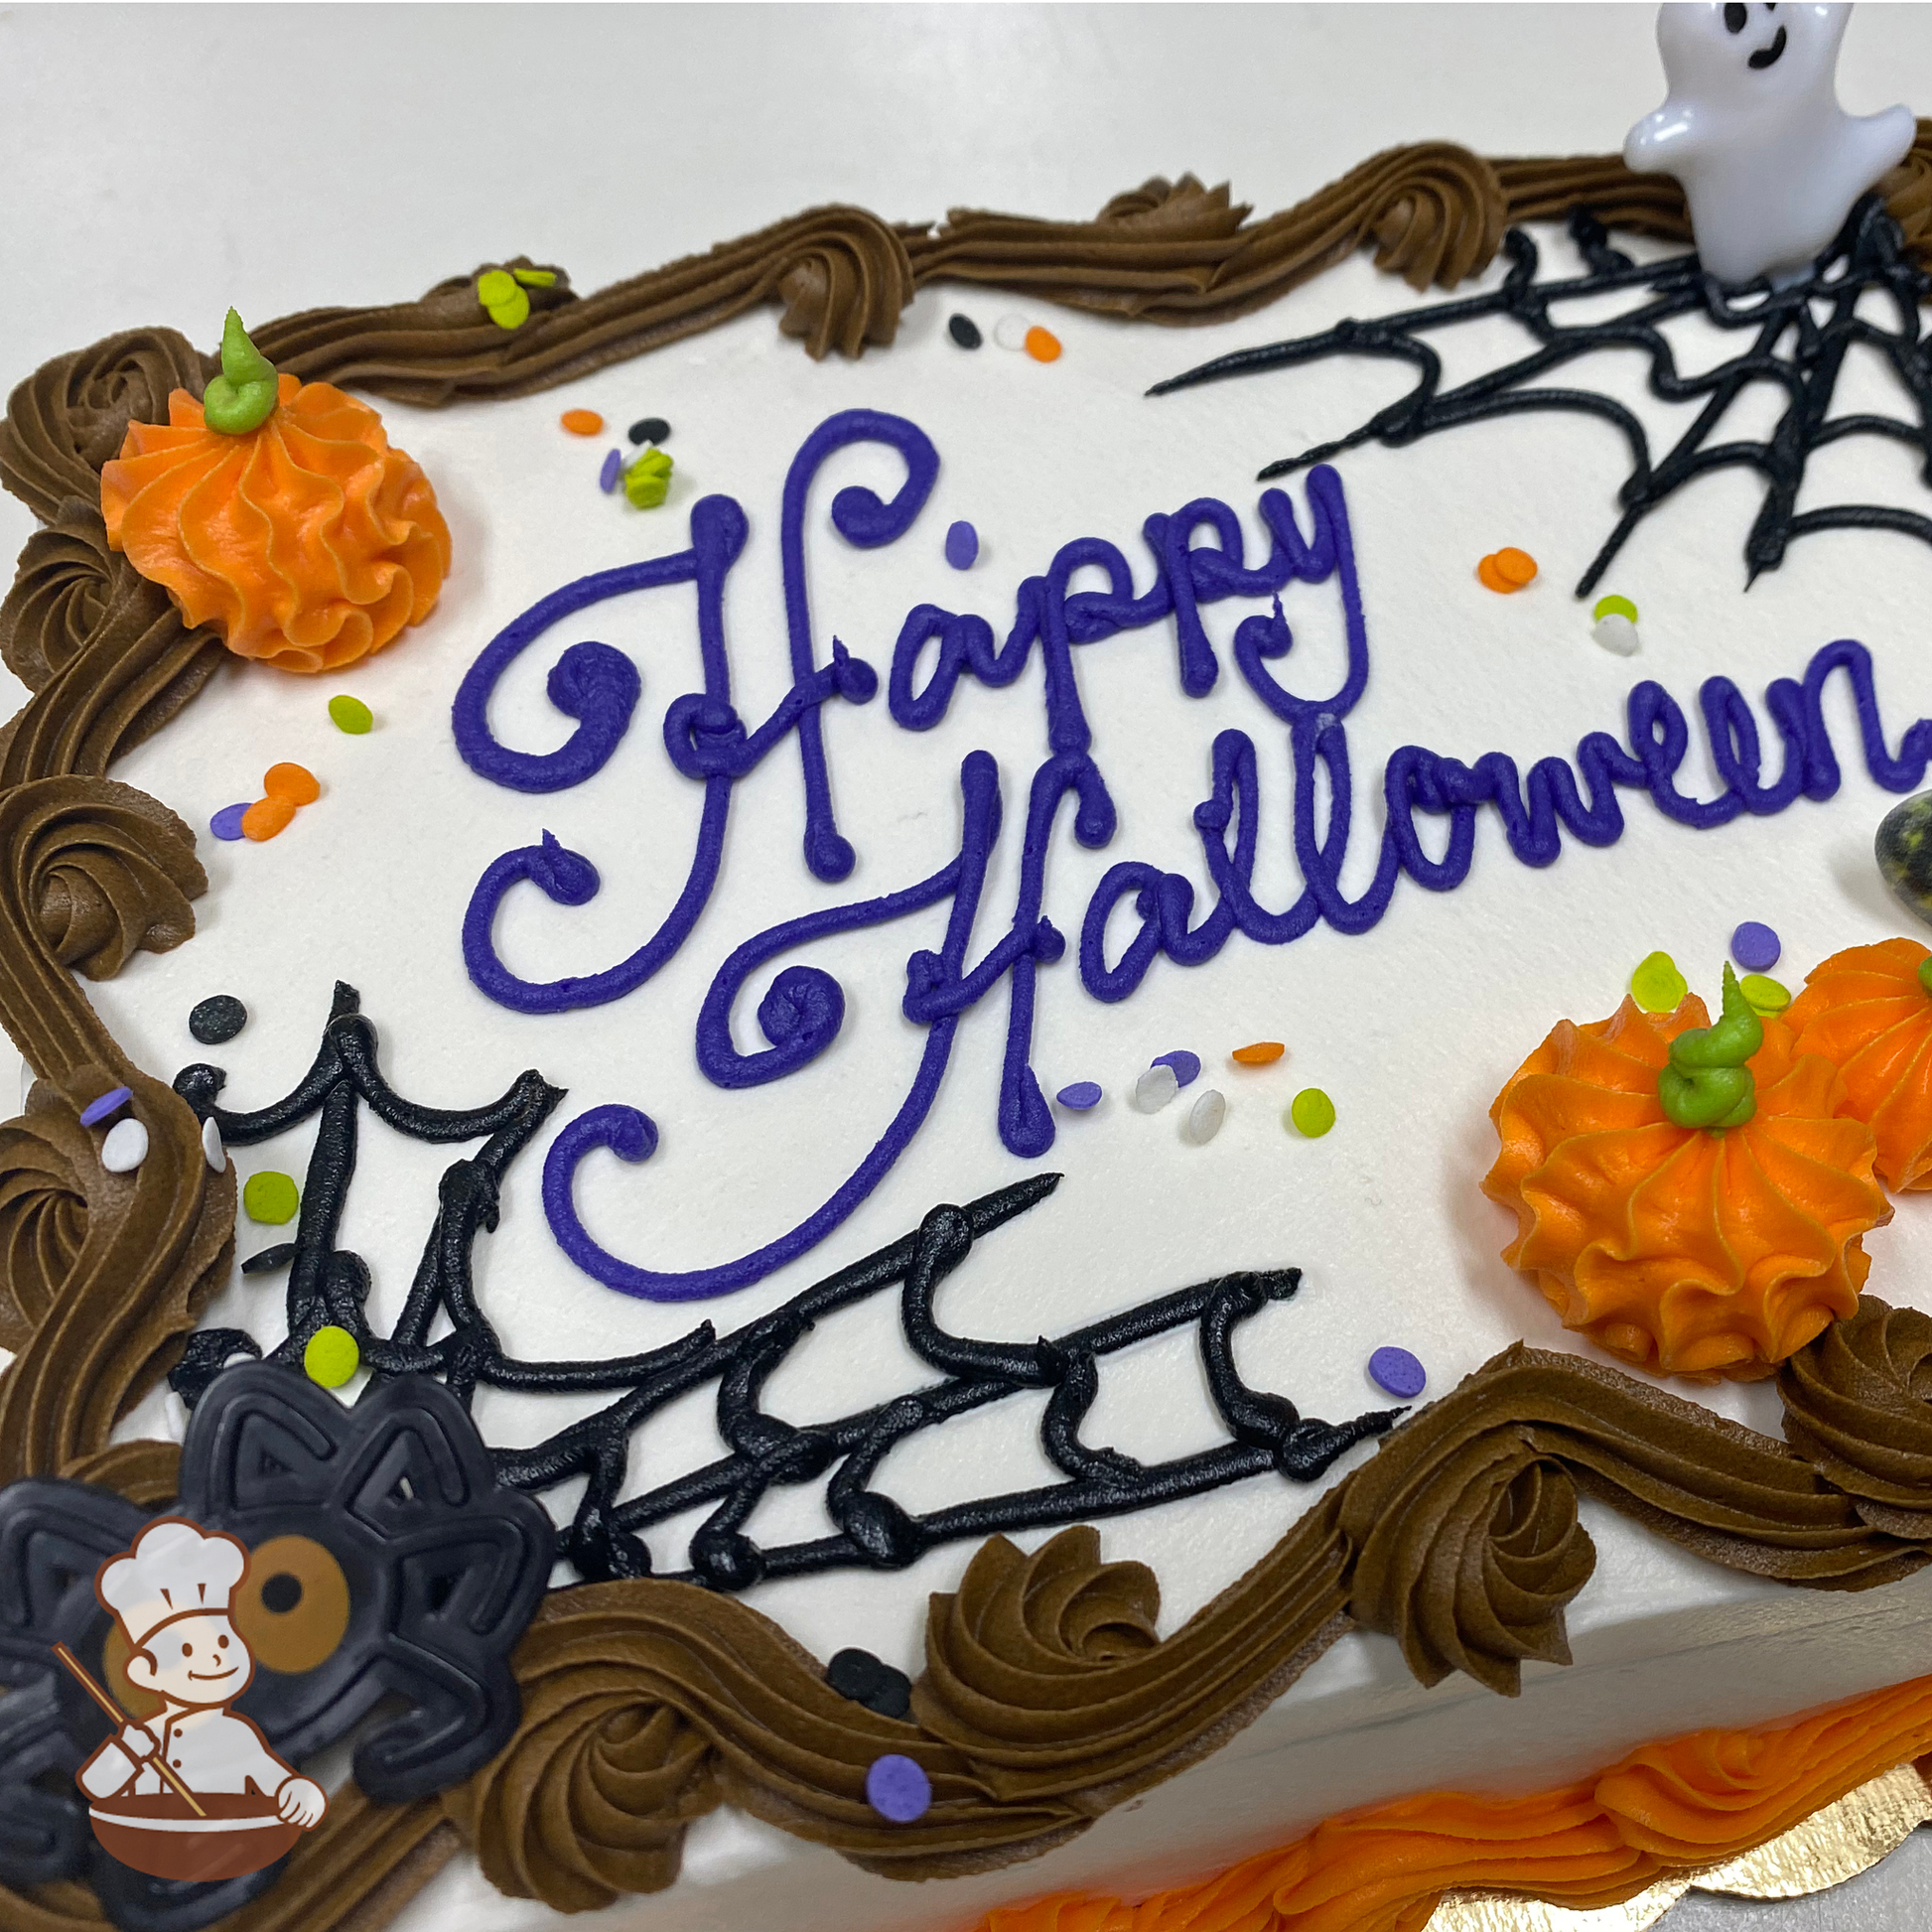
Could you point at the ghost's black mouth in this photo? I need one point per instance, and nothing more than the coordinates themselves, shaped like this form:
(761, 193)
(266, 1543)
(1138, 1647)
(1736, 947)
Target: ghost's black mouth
(1769, 57)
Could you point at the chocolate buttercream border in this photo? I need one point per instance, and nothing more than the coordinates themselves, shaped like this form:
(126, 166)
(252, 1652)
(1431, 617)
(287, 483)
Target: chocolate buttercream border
(1047, 1696)
(1169, 252)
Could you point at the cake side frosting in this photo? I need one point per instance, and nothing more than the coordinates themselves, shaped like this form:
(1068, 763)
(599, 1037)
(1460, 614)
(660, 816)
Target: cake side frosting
(1682, 1805)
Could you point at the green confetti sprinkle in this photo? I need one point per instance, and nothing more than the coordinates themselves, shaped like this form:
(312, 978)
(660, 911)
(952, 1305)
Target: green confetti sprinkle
(1765, 994)
(504, 301)
(270, 1198)
(349, 715)
(1657, 986)
(1312, 1112)
(1706, 1083)
(1614, 607)
(536, 278)
(243, 397)
(648, 482)
(1925, 974)
(332, 1357)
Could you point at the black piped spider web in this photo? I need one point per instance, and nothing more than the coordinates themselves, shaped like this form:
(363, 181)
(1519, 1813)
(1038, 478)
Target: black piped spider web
(1790, 348)
(760, 1451)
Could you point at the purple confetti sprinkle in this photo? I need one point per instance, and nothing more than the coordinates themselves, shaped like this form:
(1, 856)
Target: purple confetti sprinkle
(962, 545)
(608, 476)
(227, 823)
(1081, 1095)
(1398, 1371)
(111, 1102)
(1755, 947)
(1186, 1065)
(897, 1789)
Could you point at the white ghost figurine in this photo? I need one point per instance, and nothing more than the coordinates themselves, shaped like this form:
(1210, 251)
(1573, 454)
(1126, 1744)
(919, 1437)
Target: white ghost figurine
(1770, 163)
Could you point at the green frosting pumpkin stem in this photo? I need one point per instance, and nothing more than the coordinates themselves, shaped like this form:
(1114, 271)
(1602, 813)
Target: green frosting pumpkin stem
(1708, 1083)
(242, 397)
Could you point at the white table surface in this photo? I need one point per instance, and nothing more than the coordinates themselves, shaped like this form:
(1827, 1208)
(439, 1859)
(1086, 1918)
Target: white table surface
(159, 162)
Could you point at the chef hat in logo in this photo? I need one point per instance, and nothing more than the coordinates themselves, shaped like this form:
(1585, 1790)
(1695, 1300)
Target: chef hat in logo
(174, 1570)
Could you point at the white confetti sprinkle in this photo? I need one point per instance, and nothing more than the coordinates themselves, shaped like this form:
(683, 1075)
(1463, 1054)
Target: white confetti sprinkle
(1155, 1088)
(1615, 632)
(125, 1146)
(1204, 1118)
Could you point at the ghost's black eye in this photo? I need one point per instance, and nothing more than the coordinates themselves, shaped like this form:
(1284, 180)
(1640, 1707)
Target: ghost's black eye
(188, 1650)
(1734, 17)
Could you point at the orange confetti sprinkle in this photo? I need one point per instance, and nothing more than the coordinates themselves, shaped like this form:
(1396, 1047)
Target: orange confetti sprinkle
(294, 782)
(1042, 345)
(583, 422)
(265, 817)
(1506, 571)
(1260, 1052)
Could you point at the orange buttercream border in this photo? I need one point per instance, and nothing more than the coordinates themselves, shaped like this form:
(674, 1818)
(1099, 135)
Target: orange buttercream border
(1685, 1804)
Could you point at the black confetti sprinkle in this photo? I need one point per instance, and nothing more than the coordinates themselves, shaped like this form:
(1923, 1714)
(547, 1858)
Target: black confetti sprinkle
(217, 1019)
(868, 1680)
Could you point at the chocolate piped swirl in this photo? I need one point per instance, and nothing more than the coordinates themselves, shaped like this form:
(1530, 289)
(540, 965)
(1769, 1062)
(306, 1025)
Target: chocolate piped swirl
(80, 613)
(1044, 1671)
(64, 587)
(95, 1349)
(593, 1798)
(1468, 1549)
(51, 1184)
(615, 1822)
(108, 869)
(1707, 1483)
(844, 277)
(69, 416)
(1858, 1405)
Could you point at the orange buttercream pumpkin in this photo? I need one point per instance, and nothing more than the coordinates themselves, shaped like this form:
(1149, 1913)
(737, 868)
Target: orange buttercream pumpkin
(1867, 1011)
(1686, 1249)
(309, 542)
